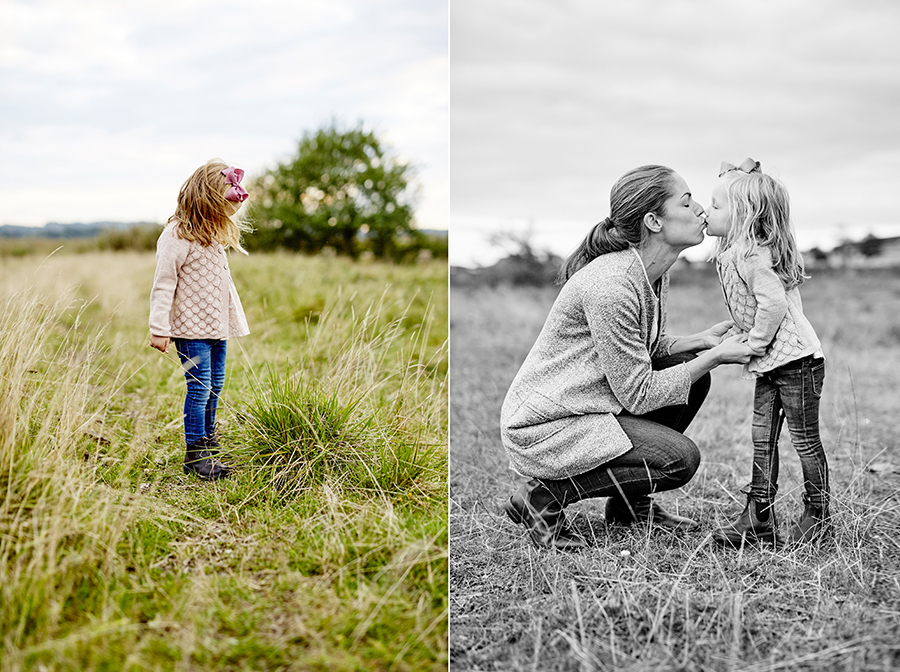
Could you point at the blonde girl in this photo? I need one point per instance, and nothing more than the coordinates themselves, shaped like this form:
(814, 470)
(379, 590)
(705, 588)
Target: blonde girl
(194, 303)
(761, 269)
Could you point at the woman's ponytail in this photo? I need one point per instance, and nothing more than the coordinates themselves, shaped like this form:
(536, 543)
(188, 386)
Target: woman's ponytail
(604, 237)
(637, 193)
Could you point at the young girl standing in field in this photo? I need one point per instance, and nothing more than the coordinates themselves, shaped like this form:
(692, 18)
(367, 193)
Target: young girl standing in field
(195, 304)
(760, 269)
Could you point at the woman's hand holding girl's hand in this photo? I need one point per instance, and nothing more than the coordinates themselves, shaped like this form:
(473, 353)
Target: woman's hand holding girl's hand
(161, 343)
(757, 352)
(734, 350)
(716, 333)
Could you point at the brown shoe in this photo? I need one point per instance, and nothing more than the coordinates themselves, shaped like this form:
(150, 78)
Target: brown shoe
(645, 510)
(813, 525)
(533, 506)
(755, 525)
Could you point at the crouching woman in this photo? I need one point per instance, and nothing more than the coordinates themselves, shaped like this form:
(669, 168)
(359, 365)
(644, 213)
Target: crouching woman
(601, 402)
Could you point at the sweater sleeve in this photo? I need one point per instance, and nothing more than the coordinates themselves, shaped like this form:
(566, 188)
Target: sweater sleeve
(771, 299)
(664, 346)
(613, 316)
(171, 253)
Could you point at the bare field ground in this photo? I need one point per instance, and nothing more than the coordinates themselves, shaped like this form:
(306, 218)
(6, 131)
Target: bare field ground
(639, 600)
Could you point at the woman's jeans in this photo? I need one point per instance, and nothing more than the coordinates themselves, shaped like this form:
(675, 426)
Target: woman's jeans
(790, 392)
(661, 458)
(204, 369)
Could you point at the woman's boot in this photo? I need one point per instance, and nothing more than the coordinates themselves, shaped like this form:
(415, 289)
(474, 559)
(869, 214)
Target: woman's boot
(642, 509)
(533, 506)
(813, 524)
(755, 525)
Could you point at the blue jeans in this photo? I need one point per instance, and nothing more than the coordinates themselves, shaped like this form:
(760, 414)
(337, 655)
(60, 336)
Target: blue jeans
(661, 457)
(204, 370)
(790, 392)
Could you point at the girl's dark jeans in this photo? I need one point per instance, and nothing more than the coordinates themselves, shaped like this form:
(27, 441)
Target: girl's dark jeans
(790, 392)
(662, 457)
(204, 370)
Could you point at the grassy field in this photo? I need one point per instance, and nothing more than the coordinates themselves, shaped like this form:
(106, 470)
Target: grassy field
(326, 549)
(676, 602)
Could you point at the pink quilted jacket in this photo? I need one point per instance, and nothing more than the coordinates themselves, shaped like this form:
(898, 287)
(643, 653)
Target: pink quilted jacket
(193, 295)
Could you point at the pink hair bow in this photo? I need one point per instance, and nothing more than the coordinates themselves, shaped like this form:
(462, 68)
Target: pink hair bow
(236, 192)
(748, 165)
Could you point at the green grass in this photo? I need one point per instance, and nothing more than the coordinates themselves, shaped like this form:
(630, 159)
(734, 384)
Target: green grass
(677, 602)
(327, 547)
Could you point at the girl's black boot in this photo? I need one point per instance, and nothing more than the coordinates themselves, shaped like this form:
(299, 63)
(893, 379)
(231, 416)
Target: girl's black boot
(755, 525)
(813, 525)
(211, 443)
(200, 462)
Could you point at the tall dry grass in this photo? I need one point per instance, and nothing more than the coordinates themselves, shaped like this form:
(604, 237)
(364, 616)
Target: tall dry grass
(648, 600)
(61, 531)
(113, 558)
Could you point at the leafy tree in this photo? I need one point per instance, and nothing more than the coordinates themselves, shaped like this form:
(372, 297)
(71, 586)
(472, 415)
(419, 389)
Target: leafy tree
(341, 184)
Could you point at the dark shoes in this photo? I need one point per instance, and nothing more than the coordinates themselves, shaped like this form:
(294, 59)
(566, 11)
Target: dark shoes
(199, 460)
(533, 506)
(755, 525)
(813, 525)
(645, 510)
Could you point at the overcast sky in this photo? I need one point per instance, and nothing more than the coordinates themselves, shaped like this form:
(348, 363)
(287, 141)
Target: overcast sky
(554, 101)
(106, 107)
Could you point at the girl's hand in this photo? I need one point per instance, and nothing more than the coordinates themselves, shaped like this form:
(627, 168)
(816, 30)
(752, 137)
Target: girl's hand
(734, 350)
(716, 333)
(161, 343)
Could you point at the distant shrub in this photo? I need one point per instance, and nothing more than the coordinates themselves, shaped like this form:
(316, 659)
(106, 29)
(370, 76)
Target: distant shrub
(415, 247)
(515, 270)
(141, 238)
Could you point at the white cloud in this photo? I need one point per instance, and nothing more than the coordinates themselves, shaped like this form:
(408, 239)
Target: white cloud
(552, 102)
(100, 96)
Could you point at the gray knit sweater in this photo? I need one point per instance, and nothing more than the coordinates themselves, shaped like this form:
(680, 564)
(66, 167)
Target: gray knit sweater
(193, 295)
(591, 360)
(772, 318)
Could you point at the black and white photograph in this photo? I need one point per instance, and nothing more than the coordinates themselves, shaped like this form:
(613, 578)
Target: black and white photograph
(674, 336)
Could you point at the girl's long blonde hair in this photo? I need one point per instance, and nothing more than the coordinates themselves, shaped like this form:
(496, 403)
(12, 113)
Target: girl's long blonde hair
(761, 217)
(202, 212)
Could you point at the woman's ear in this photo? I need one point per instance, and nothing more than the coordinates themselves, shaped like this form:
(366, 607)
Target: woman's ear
(652, 222)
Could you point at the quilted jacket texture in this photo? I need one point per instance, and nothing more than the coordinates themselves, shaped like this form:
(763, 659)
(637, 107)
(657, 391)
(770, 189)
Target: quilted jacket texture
(760, 307)
(193, 295)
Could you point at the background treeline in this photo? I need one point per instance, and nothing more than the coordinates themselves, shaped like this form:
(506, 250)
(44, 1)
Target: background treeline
(343, 192)
(528, 266)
